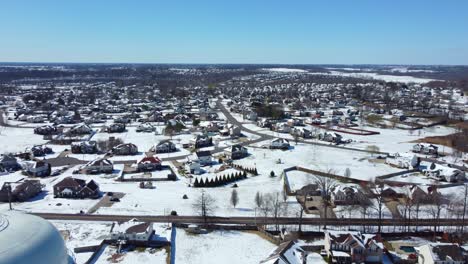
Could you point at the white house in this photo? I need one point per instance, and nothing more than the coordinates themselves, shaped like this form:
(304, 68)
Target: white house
(203, 157)
(424, 148)
(403, 160)
(441, 172)
(145, 127)
(133, 230)
(279, 143)
(286, 253)
(194, 167)
(99, 165)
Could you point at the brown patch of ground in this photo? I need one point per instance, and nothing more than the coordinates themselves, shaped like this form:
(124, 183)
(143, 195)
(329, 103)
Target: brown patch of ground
(458, 141)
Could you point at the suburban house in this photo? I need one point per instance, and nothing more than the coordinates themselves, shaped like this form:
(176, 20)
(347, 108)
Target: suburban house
(76, 188)
(286, 253)
(145, 127)
(264, 122)
(9, 163)
(403, 160)
(133, 230)
(164, 146)
(116, 128)
(149, 163)
(441, 253)
(36, 168)
(84, 147)
(194, 167)
(20, 191)
(80, 129)
(347, 195)
(330, 137)
(231, 130)
(40, 150)
(236, 152)
(301, 132)
(202, 141)
(279, 143)
(349, 247)
(423, 194)
(204, 157)
(125, 149)
(427, 149)
(99, 165)
(282, 128)
(444, 173)
(45, 130)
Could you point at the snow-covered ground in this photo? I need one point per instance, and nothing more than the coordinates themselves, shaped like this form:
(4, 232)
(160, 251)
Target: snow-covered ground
(376, 76)
(284, 70)
(316, 158)
(221, 247)
(83, 233)
(14, 139)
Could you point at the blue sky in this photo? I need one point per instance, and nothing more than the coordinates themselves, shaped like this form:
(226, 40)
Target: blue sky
(288, 32)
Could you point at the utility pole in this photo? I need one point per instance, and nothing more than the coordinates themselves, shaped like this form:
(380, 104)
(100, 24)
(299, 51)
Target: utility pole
(464, 209)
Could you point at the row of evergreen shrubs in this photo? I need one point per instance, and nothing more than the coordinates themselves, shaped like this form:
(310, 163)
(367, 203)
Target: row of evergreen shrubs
(248, 170)
(220, 180)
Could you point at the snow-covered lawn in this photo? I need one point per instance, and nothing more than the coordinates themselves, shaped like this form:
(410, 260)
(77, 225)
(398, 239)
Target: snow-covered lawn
(316, 158)
(221, 247)
(83, 233)
(397, 140)
(14, 139)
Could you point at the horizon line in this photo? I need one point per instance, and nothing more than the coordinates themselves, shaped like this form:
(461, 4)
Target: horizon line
(228, 63)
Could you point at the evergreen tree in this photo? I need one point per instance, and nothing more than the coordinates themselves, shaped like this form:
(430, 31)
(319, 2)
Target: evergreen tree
(196, 183)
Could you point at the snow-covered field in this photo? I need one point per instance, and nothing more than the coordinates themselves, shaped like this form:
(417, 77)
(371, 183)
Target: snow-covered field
(14, 139)
(316, 158)
(376, 76)
(221, 247)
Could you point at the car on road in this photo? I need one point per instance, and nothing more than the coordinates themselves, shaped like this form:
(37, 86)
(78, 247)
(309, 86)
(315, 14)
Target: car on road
(115, 199)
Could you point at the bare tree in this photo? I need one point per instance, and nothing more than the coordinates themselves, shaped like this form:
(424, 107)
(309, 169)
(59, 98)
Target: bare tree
(365, 206)
(204, 205)
(234, 198)
(405, 208)
(258, 200)
(276, 207)
(464, 207)
(377, 191)
(326, 186)
(435, 208)
(372, 149)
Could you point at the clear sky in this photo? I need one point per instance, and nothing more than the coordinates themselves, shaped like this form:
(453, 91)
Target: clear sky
(235, 31)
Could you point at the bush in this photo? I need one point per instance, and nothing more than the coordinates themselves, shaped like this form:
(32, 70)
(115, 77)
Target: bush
(173, 213)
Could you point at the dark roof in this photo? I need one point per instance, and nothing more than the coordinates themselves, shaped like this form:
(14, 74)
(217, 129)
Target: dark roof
(448, 252)
(140, 228)
(203, 153)
(92, 185)
(71, 182)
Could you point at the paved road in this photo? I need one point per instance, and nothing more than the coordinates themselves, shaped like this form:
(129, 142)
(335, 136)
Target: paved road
(252, 220)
